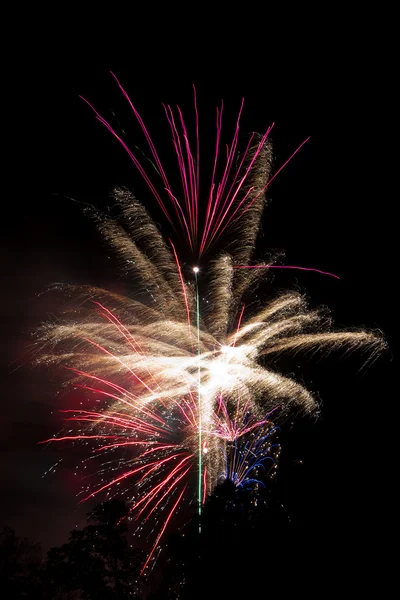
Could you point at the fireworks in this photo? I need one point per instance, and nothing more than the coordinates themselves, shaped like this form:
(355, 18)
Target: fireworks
(177, 378)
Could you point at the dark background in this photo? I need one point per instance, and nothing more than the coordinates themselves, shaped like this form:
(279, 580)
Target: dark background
(330, 209)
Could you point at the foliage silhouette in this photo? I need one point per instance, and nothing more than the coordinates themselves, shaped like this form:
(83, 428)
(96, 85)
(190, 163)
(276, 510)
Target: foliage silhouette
(97, 561)
(242, 533)
(20, 566)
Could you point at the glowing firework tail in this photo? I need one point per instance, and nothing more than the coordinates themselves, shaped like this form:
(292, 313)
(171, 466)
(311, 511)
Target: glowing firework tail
(180, 372)
(200, 496)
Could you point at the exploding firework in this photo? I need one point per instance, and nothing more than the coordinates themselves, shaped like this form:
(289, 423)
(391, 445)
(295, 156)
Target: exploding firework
(178, 380)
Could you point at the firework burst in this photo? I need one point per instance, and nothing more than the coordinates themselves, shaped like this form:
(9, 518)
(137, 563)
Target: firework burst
(178, 378)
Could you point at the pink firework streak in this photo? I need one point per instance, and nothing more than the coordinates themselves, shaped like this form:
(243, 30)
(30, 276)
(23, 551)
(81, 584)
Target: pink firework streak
(223, 202)
(286, 267)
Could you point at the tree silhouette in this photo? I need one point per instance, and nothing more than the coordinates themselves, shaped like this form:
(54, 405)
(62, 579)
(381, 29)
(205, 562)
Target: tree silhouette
(97, 561)
(20, 566)
(239, 549)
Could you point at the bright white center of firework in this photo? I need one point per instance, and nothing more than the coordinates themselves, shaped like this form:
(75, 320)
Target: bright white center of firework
(234, 354)
(219, 373)
(196, 269)
(224, 370)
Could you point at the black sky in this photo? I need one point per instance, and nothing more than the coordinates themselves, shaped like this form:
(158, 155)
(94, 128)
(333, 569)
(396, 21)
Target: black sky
(328, 209)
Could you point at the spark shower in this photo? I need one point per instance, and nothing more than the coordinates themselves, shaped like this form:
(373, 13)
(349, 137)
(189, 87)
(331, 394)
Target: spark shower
(179, 391)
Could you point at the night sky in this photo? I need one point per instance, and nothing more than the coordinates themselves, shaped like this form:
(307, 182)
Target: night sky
(328, 209)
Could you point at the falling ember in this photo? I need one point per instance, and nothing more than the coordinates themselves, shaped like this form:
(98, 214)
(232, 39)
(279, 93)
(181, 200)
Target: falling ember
(180, 386)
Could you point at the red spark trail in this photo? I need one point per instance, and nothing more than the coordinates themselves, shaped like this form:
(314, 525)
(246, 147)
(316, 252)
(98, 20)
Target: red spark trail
(105, 312)
(78, 437)
(151, 495)
(221, 210)
(162, 531)
(285, 163)
(222, 184)
(157, 488)
(146, 133)
(125, 444)
(123, 476)
(127, 335)
(133, 423)
(192, 423)
(183, 289)
(146, 411)
(220, 226)
(197, 152)
(159, 463)
(121, 362)
(192, 194)
(285, 267)
(204, 485)
(238, 325)
(133, 158)
(182, 170)
(167, 491)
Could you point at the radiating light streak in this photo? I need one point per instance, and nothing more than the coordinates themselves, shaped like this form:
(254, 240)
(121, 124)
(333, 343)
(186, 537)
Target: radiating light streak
(286, 267)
